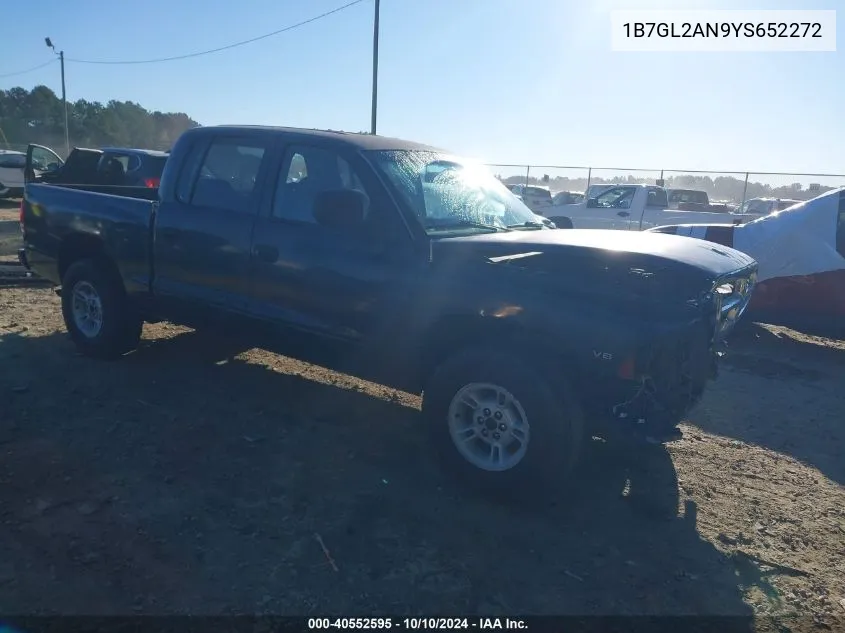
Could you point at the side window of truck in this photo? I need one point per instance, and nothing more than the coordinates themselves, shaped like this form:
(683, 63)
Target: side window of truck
(840, 226)
(616, 198)
(657, 198)
(227, 176)
(306, 172)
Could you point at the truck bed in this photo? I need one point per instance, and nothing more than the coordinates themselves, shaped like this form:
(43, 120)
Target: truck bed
(142, 193)
(118, 219)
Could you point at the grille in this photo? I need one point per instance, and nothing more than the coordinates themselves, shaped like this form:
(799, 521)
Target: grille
(677, 372)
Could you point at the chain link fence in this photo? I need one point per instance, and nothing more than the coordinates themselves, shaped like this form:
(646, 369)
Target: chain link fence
(728, 187)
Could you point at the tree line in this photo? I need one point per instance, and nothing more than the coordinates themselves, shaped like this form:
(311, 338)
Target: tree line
(37, 116)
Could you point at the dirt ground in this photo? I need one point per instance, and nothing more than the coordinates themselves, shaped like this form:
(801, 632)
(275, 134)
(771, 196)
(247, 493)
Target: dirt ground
(199, 475)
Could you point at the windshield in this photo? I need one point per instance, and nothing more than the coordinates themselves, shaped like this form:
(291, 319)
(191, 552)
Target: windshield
(448, 193)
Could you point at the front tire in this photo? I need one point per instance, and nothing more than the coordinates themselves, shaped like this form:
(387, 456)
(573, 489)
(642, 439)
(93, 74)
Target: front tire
(496, 420)
(97, 313)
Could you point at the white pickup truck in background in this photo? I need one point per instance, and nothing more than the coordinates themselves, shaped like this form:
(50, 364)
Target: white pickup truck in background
(631, 208)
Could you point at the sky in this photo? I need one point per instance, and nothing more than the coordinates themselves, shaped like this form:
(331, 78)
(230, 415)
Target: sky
(502, 81)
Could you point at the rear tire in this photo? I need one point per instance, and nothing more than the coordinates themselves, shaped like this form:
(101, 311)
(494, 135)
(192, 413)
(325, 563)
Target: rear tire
(496, 421)
(97, 314)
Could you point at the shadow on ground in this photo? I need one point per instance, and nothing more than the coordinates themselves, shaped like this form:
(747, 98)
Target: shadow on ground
(186, 479)
(10, 228)
(807, 422)
(10, 238)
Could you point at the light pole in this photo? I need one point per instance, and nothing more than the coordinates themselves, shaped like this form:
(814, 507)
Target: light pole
(61, 55)
(375, 70)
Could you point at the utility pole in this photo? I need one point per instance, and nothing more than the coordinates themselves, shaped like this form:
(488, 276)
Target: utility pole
(64, 93)
(375, 69)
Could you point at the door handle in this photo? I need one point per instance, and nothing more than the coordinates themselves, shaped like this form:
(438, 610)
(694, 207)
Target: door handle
(265, 252)
(623, 214)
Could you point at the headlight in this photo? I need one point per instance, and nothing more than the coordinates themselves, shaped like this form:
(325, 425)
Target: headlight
(725, 289)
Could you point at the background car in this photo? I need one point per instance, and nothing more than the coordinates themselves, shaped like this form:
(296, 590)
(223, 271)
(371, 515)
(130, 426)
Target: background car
(567, 197)
(765, 206)
(688, 199)
(117, 166)
(535, 197)
(11, 173)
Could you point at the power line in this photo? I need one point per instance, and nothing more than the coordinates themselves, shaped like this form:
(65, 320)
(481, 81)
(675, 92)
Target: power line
(28, 70)
(221, 48)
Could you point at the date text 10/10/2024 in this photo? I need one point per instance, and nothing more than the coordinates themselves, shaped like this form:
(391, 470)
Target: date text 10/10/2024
(415, 624)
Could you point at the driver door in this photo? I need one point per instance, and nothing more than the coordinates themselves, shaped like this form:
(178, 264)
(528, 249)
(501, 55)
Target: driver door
(342, 283)
(40, 160)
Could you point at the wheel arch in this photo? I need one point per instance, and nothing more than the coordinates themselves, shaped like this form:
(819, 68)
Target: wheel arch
(562, 221)
(79, 246)
(450, 334)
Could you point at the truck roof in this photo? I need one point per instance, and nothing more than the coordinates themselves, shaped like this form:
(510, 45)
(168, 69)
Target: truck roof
(357, 140)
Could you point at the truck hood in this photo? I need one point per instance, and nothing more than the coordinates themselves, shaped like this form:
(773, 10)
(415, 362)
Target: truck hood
(562, 248)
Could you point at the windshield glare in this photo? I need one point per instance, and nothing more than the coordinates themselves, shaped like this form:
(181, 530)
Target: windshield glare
(449, 193)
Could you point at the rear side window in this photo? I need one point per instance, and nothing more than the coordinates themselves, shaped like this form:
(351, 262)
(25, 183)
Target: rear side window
(840, 226)
(657, 198)
(677, 196)
(226, 177)
(129, 162)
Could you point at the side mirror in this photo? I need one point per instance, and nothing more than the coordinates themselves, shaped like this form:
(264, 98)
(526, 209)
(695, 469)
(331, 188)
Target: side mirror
(340, 208)
(592, 203)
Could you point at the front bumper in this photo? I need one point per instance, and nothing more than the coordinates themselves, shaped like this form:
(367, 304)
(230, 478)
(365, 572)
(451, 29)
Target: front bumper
(672, 374)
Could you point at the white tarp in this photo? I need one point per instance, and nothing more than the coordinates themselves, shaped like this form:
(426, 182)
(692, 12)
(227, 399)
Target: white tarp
(797, 241)
(800, 240)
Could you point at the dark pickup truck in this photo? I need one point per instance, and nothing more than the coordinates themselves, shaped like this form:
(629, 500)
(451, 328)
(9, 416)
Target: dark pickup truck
(523, 340)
